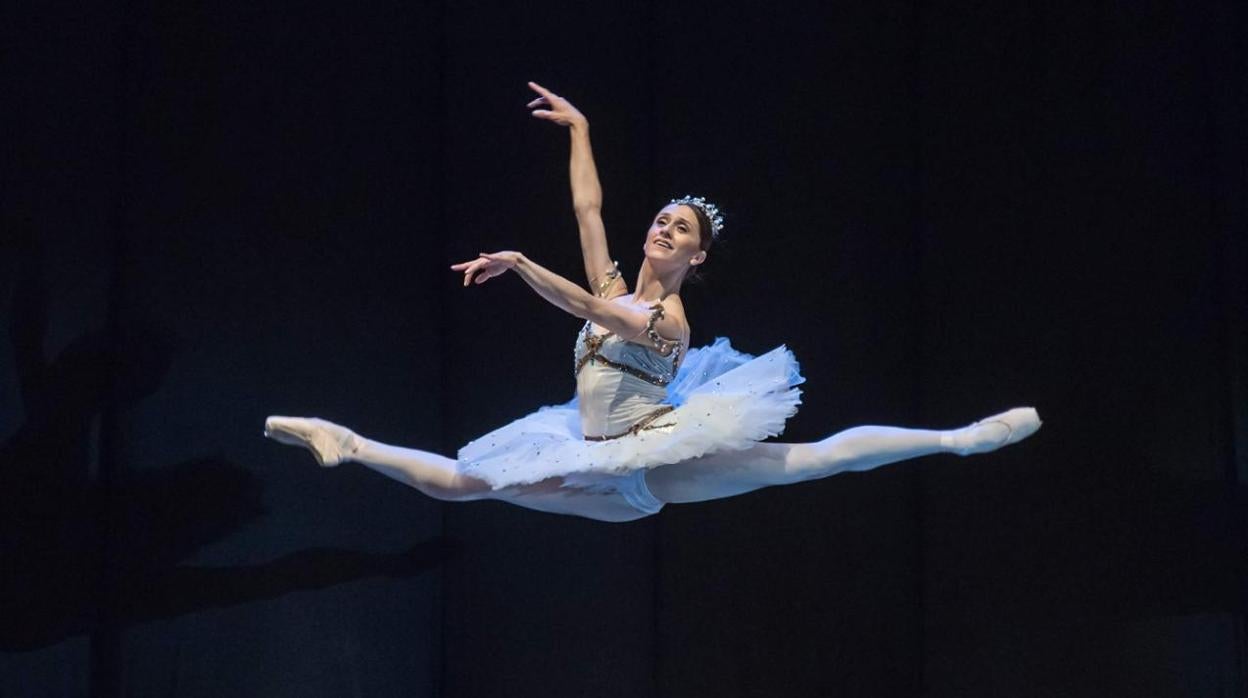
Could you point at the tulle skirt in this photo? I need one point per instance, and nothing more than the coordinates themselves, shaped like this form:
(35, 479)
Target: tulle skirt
(724, 400)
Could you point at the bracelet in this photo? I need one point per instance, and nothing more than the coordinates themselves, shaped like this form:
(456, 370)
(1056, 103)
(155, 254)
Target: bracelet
(612, 274)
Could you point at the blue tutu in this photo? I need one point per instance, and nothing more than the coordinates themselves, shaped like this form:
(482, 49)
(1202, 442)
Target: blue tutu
(722, 400)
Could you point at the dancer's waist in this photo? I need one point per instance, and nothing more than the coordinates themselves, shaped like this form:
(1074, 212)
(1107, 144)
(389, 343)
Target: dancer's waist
(652, 420)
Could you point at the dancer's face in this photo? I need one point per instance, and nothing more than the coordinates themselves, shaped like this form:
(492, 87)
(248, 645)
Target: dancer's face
(674, 238)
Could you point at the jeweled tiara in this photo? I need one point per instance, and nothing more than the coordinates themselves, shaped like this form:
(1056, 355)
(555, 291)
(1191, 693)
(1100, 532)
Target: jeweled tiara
(711, 211)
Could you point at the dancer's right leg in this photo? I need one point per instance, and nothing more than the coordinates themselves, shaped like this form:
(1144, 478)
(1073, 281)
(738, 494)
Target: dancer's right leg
(430, 473)
(332, 444)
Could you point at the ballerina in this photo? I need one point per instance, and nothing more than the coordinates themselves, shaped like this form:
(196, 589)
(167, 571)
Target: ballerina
(653, 421)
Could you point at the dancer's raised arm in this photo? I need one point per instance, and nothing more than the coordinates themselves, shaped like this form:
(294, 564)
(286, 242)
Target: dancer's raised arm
(604, 280)
(627, 321)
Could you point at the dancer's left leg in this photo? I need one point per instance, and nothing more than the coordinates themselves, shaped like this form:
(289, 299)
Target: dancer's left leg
(439, 476)
(431, 473)
(729, 473)
(332, 444)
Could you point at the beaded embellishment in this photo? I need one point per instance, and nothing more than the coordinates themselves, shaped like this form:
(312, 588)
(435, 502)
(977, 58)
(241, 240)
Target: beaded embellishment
(594, 342)
(665, 347)
(709, 209)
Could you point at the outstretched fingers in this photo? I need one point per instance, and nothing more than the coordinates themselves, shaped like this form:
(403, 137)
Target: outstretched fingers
(546, 98)
(545, 93)
(470, 268)
(483, 267)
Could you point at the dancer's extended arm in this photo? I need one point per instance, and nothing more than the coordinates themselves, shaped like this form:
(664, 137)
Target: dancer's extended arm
(586, 192)
(625, 321)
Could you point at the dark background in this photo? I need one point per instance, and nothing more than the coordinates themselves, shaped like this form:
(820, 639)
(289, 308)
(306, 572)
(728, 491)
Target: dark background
(213, 212)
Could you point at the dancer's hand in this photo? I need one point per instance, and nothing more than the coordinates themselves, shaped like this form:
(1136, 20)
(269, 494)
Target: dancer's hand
(488, 266)
(560, 110)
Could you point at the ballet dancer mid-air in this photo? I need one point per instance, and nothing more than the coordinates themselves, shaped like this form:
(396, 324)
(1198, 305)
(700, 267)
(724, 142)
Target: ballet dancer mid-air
(653, 421)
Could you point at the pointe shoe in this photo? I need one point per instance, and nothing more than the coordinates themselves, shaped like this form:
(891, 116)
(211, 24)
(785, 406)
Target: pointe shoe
(329, 442)
(1019, 422)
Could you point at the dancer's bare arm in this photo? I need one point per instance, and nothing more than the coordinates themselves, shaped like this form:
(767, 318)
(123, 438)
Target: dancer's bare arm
(627, 321)
(586, 192)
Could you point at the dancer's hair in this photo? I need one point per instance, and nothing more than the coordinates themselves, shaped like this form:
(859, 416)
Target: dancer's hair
(705, 239)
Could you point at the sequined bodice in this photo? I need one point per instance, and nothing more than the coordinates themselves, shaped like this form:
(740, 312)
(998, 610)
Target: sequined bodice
(638, 360)
(618, 383)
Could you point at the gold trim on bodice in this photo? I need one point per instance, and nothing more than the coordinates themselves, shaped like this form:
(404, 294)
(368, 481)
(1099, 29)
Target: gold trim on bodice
(645, 423)
(593, 344)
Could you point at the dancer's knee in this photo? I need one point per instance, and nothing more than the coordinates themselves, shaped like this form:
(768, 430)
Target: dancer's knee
(460, 488)
(864, 448)
(834, 454)
(806, 461)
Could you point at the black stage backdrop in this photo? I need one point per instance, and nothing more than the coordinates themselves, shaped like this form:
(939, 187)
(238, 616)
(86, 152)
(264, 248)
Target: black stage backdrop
(219, 211)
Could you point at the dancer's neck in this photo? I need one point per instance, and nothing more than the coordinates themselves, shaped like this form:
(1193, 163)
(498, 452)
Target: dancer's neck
(653, 286)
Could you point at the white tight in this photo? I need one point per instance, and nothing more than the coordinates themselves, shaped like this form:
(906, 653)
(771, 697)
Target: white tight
(729, 473)
(436, 476)
(713, 476)
(430, 473)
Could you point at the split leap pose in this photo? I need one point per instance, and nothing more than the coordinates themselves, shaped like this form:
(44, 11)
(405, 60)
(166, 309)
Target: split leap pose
(653, 421)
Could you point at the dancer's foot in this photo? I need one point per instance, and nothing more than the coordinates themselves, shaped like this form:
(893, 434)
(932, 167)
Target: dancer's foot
(329, 442)
(991, 433)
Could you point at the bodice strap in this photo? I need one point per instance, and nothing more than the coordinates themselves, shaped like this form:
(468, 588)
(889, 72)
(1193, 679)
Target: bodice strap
(593, 343)
(663, 345)
(645, 423)
(668, 348)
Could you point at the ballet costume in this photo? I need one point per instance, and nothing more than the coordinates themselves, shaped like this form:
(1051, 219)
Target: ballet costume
(638, 406)
(643, 404)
